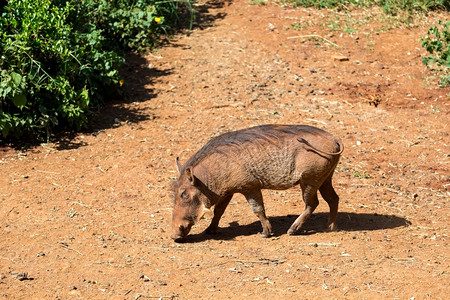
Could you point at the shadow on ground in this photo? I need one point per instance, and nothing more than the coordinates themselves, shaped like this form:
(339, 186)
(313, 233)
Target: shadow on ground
(204, 16)
(140, 77)
(316, 223)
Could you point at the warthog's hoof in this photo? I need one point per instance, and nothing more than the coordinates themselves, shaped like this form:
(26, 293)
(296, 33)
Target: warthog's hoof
(266, 234)
(332, 227)
(293, 231)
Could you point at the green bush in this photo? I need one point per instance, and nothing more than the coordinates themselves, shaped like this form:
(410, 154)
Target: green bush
(395, 7)
(323, 3)
(131, 24)
(51, 72)
(437, 43)
(60, 58)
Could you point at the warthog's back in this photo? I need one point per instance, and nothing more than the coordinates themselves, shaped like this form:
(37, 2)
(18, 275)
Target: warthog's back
(267, 156)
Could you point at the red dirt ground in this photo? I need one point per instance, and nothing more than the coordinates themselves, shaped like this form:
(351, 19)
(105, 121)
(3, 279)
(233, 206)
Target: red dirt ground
(89, 217)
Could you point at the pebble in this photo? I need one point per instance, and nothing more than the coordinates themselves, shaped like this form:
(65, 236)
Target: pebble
(161, 282)
(22, 276)
(145, 278)
(340, 58)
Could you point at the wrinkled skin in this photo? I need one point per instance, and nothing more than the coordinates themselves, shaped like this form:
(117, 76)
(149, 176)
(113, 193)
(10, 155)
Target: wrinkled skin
(249, 160)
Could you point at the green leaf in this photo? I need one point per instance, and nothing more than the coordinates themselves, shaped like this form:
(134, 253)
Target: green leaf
(17, 78)
(83, 97)
(19, 100)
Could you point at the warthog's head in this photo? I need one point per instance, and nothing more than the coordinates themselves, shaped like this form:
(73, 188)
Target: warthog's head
(188, 205)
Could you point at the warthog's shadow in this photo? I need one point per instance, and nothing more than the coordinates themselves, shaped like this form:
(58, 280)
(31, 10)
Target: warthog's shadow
(316, 223)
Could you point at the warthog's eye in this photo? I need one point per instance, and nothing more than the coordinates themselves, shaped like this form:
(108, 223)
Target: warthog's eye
(183, 194)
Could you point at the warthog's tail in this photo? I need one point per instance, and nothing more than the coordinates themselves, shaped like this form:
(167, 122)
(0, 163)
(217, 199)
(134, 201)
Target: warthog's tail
(341, 147)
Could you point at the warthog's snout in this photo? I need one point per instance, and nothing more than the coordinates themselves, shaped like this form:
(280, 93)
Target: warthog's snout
(181, 232)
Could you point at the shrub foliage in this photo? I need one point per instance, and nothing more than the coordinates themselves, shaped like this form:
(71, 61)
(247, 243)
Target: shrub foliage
(437, 43)
(59, 58)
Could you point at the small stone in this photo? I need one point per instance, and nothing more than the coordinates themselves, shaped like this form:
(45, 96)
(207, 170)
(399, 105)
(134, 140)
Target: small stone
(74, 293)
(144, 278)
(161, 282)
(340, 58)
(23, 276)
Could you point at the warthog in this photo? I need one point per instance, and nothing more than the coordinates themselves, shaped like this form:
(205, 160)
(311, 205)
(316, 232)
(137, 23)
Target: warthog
(274, 157)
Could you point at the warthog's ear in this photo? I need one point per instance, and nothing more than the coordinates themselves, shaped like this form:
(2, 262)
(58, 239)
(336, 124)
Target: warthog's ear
(177, 160)
(190, 175)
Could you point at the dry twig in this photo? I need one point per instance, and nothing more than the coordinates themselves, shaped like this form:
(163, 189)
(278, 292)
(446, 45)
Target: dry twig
(314, 36)
(331, 116)
(317, 121)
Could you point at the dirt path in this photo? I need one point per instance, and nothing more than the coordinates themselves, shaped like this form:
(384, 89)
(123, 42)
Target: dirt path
(89, 217)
